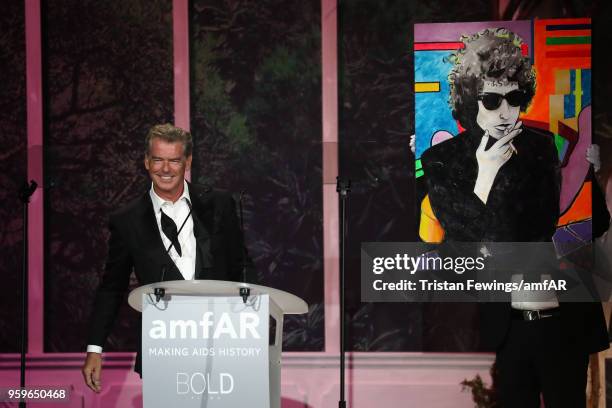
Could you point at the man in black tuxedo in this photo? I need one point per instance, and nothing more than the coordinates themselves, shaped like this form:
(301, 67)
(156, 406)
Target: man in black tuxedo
(500, 182)
(199, 226)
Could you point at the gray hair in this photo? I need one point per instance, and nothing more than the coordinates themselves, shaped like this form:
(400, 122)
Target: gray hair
(171, 134)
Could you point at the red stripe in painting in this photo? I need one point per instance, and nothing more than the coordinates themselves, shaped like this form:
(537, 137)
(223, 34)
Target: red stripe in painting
(569, 54)
(438, 46)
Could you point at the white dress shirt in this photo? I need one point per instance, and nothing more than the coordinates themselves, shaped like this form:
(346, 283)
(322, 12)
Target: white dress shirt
(178, 211)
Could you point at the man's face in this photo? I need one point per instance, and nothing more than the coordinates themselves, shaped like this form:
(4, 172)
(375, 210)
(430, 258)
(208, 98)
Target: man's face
(498, 114)
(166, 165)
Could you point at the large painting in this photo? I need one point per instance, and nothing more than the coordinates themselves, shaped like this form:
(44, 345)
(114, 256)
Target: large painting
(552, 98)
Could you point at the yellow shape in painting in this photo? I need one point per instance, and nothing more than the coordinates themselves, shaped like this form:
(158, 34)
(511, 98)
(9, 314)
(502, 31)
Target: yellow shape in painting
(555, 112)
(578, 91)
(427, 87)
(571, 122)
(430, 229)
(562, 81)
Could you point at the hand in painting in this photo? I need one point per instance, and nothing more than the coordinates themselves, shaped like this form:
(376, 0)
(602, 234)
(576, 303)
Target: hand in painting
(490, 161)
(593, 157)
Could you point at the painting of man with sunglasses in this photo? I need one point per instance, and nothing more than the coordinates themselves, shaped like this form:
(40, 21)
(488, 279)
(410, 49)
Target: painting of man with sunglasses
(499, 181)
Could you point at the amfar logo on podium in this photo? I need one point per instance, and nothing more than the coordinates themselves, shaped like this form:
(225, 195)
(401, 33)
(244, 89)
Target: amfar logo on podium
(223, 326)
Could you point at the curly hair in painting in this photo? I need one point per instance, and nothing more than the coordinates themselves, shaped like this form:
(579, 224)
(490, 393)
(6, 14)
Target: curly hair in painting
(493, 54)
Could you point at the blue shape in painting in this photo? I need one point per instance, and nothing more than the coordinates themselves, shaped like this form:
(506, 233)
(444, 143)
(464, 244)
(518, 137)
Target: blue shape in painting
(432, 111)
(563, 150)
(586, 87)
(569, 101)
(569, 238)
(569, 106)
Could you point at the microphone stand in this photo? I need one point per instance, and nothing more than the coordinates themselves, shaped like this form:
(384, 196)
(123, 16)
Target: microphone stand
(245, 292)
(25, 192)
(343, 187)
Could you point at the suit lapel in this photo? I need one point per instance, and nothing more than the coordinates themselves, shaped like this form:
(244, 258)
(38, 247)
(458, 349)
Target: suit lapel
(201, 213)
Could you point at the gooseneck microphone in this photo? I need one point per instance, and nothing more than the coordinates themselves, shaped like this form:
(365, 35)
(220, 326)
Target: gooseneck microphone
(161, 292)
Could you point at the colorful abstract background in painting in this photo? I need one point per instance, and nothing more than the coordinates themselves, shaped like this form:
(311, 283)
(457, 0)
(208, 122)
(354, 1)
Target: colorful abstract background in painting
(560, 50)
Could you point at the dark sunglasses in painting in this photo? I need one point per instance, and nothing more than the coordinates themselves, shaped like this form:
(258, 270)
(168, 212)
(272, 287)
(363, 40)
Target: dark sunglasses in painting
(492, 100)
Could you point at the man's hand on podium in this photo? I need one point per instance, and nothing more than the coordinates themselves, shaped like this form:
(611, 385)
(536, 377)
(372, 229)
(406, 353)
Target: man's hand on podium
(91, 371)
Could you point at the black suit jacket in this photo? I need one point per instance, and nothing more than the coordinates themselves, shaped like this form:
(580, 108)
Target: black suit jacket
(135, 245)
(523, 206)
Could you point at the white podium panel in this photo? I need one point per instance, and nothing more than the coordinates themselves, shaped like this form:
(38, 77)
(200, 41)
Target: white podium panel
(203, 346)
(205, 351)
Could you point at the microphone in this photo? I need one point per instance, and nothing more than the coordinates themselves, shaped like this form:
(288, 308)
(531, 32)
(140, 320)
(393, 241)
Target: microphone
(161, 292)
(244, 291)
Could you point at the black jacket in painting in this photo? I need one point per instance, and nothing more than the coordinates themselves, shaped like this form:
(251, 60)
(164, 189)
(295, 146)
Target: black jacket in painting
(523, 206)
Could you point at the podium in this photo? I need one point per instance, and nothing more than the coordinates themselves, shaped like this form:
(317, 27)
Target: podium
(203, 346)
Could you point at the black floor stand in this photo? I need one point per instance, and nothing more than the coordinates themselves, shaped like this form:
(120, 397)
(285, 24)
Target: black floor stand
(343, 187)
(25, 192)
